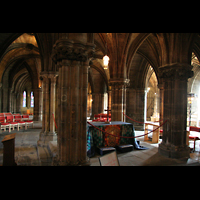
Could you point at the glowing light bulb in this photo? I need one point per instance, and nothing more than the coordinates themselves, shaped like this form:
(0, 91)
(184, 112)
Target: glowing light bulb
(106, 61)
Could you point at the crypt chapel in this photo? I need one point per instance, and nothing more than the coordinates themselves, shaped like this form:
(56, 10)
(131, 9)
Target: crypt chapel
(61, 79)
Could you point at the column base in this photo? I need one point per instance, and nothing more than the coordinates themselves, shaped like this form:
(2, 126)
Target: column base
(37, 118)
(45, 138)
(172, 151)
(57, 162)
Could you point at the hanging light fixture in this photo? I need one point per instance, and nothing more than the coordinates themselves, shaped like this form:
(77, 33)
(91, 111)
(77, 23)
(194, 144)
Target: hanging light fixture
(106, 58)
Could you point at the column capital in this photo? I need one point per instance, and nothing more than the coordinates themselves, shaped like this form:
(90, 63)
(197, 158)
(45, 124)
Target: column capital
(161, 86)
(66, 49)
(119, 82)
(37, 89)
(49, 74)
(176, 70)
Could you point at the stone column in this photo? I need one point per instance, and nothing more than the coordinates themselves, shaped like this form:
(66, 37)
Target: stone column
(97, 104)
(10, 99)
(48, 127)
(37, 104)
(45, 91)
(135, 107)
(19, 102)
(52, 102)
(0, 97)
(156, 109)
(175, 77)
(161, 87)
(72, 60)
(124, 104)
(5, 92)
(89, 106)
(118, 98)
(28, 98)
(14, 102)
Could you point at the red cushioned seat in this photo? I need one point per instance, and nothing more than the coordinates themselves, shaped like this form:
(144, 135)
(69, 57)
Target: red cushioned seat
(194, 128)
(194, 134)
(13, 123)
(193, 137)
(30, 121)
(4, 124)
(25, 117)
(21, 124)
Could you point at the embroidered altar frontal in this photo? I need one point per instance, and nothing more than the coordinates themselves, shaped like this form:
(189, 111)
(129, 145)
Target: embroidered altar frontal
(97, 138)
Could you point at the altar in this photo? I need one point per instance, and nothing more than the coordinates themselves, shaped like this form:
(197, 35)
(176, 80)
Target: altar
(97, 138)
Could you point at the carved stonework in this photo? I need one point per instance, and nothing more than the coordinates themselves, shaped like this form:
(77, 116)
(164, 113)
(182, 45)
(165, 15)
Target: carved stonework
(176, 71)
(119, 82)
(70, 50)
(51, 75)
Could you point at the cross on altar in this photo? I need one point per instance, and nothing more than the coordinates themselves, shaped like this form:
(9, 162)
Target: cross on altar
(107, 113)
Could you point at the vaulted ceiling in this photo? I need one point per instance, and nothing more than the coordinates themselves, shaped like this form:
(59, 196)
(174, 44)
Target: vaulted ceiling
(20, 62)
(129, 53)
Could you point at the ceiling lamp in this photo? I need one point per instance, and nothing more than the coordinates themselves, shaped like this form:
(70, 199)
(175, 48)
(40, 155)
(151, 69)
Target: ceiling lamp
(106, 61)
(106, 58)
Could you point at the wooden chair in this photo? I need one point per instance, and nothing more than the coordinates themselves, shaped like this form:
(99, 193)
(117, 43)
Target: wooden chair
(4, 125)
(25, 117)
(18, 119)
(194, 134)
(10, 119)
(28, 122)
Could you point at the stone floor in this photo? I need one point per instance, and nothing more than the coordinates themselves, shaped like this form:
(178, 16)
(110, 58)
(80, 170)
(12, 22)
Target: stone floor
(149, 157)
(27, 153)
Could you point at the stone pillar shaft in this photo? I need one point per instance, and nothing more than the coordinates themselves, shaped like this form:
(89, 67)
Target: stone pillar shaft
(135, 106)
(160, 86)
(72, 60)
(45, 121)
(48, 91)
(97, 104)
(175, 110)
(52, 102)
(72, 109)
(118, 99)
(37, 104)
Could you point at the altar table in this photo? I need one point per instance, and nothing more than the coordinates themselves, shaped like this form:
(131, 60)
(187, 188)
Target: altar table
(96, 138)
